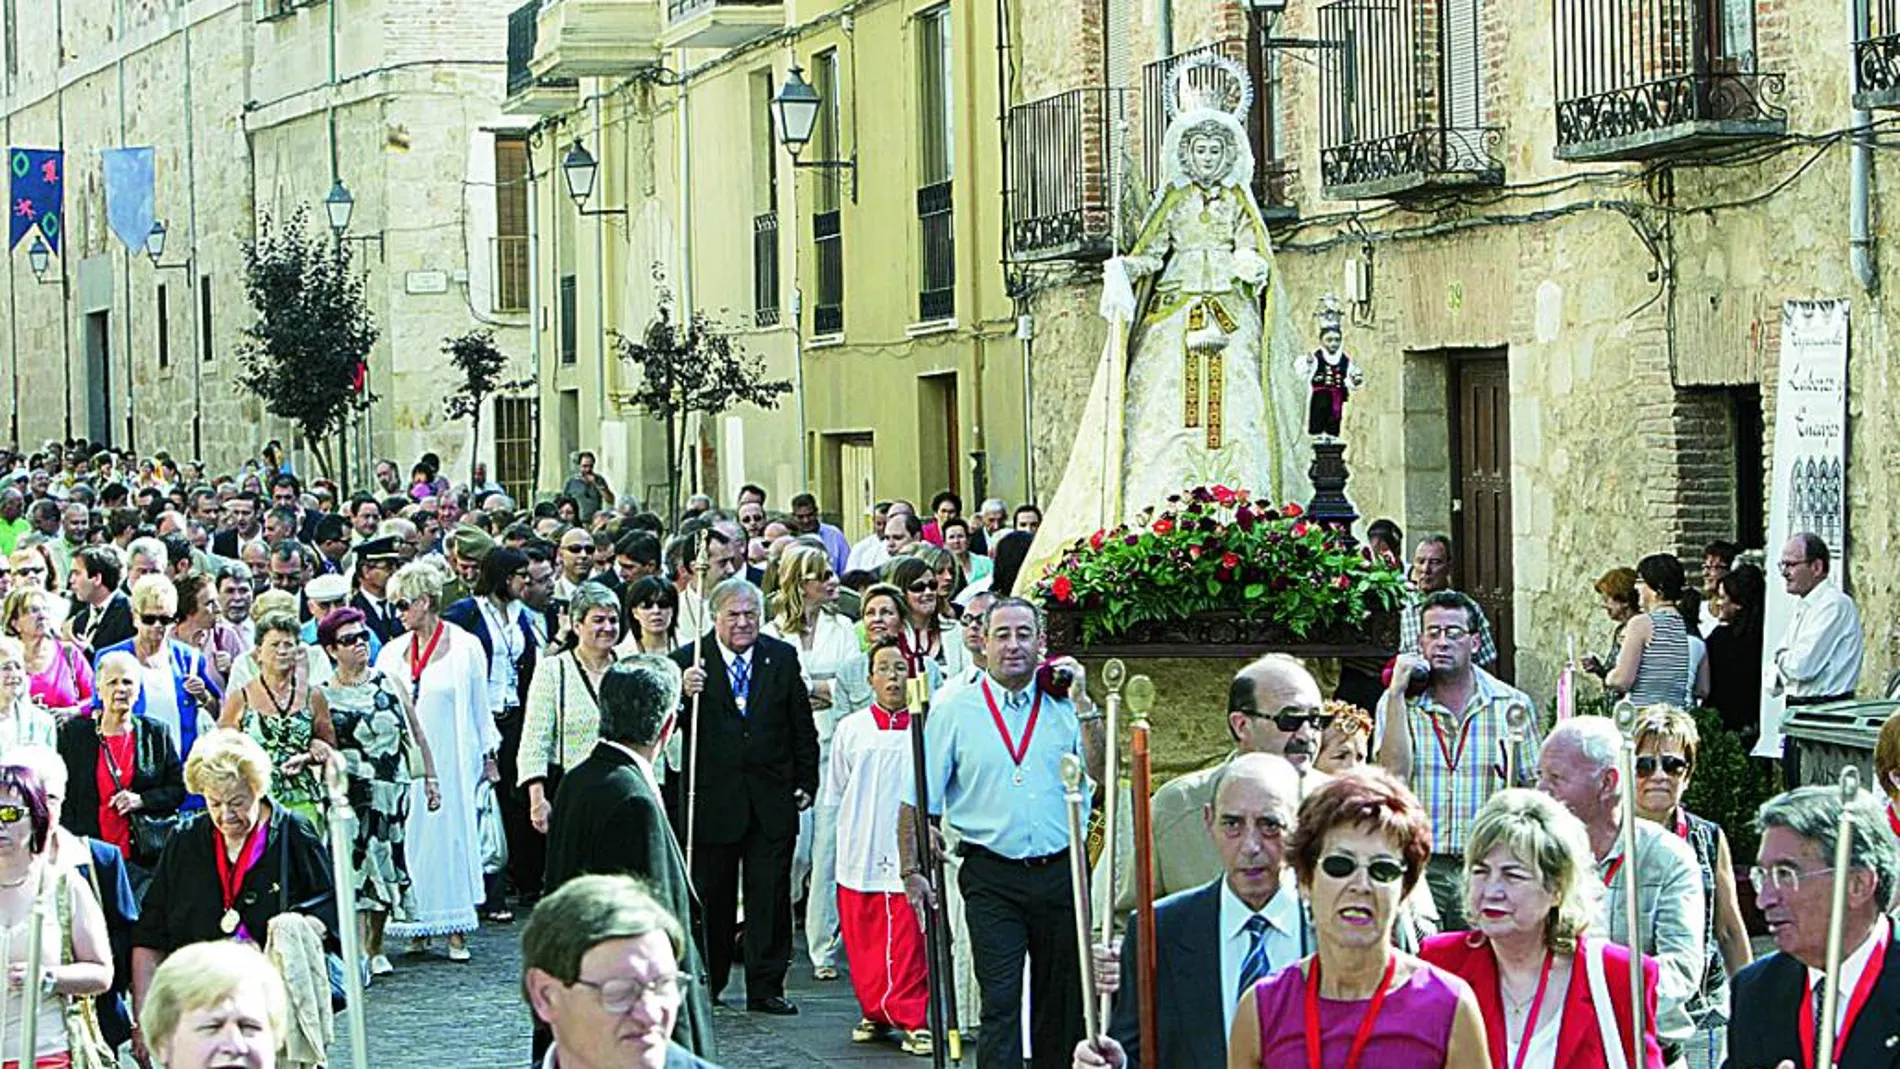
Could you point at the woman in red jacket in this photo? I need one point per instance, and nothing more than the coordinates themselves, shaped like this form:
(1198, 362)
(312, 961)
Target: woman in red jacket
(1549, 996)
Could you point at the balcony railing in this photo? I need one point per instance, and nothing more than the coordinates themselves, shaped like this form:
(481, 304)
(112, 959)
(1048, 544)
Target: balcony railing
(1642, 78)
(827, 310)
(508, 265)
(937, 290)
(1060, 178)
(1274, 177)
(721, 23)
(1877, 58)
(765, 269)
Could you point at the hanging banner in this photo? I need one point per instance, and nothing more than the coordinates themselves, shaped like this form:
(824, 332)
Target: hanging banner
(1810, 468)
(128, 173)
(36, 194)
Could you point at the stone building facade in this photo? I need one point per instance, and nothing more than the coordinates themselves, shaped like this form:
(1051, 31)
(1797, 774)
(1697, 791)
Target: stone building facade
(254, 109)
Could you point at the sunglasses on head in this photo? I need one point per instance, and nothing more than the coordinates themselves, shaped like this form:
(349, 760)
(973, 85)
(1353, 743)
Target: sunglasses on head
(1671, 764)
(154, 620)
(1291, 722)
(12, 814)
(1381, 869)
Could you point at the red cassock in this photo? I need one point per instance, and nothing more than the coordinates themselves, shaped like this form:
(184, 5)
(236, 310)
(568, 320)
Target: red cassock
(1579, 1040)
(886, 951)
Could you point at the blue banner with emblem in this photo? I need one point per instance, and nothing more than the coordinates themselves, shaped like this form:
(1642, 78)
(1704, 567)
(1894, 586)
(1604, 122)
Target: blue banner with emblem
(36, 197)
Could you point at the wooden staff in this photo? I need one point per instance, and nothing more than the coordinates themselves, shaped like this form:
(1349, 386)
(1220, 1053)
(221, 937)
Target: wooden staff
(1837, 914)
(1141, 697)
(343, 862)
(939, 962)
(692, 720)
(1079, 892)
(36, 924)
(1113, 674)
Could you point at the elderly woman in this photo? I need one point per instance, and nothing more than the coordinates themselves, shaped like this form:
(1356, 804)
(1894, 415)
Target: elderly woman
(316, 667)
(1530, 891)
(1360, 847)
(229, 875)
(446, 672)
(563, 719)
(22, 721)
(927, 637)
(59, 677)
(1616, 593)
(175, 688)
(122, 768)
(1666, 742)
(215, 1006)
(1343, 745)
(652, 608)
(377, 738)
(287, 716)
(1654, 666)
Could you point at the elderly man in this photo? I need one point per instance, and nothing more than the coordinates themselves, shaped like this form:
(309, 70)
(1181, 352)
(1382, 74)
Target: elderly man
(1777, 1000)
(13, 522)
(1215, 940)
(757, 770)
(1447, 742)
(872, 544)
(601, 965)
(1818, 657)
(609, 817)
(1578, 767)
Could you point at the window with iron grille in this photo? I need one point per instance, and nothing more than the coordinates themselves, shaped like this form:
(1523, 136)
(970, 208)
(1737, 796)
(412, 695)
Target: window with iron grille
(765, 269)
(517, 424)
(511, 224)
(164, 330)
(936, 290)
(827, 229)
(765, 277)
(570, 318)
(207, 348)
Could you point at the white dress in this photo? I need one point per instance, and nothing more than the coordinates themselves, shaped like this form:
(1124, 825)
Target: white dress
(444, 854)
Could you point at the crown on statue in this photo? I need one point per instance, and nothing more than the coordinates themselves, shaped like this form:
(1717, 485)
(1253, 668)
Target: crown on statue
(1208, 82)
(1330, 317)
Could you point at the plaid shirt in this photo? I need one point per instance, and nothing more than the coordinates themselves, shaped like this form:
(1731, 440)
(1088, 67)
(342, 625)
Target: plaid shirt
(1411, 617)
(1458, 759)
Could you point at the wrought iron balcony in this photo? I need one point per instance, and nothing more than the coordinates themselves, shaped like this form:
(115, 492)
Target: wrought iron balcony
(765, 269)
(528, 95)
(1638, 79)
(1060, 183)
(1402, 100)
(1877, 58)
(596, 38)
(827, 235)
(721, 23)
(1274, 179)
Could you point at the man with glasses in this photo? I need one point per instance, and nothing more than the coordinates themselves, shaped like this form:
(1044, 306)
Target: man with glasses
(1431, 573)
(1818, 657)
(577, 562)
(1579, 767)
(1446, 741)
(1776, 999)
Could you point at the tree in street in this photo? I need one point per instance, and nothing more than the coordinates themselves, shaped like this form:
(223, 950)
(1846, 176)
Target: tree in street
(480, 362)
(306, 353)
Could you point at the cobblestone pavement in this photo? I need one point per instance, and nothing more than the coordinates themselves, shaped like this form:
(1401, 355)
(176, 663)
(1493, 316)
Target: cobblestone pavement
(434, 1014)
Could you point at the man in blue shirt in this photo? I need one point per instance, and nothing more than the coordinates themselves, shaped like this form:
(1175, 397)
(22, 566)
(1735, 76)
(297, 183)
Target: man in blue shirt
(992, 766)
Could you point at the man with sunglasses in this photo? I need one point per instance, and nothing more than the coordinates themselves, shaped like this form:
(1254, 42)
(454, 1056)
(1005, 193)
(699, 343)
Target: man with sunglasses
(1447, 740)
(1579, 767)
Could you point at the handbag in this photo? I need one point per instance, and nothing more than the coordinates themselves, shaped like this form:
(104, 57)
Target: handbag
(489, 834)
(85, 1040)
(150, 832)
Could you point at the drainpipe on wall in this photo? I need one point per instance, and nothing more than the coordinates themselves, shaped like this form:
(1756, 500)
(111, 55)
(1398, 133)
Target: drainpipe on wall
(534, 319)
(1164, 25)
(1860, 188)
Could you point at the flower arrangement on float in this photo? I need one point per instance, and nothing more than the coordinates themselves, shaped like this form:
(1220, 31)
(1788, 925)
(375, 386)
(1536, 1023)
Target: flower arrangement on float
(1217, 550)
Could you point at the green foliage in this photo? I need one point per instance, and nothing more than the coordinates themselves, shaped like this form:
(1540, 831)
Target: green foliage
(480, 361)
(1215, 549)
(305, 353)
(1728, 785)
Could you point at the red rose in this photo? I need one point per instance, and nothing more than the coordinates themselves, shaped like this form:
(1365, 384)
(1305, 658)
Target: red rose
(1062, 588)
(1343, 582)
(1300, 529)
(1095, 540)
(1223, 495)
(1291, 510)
(1194, 552)
(1163, 526)
(1229, 561)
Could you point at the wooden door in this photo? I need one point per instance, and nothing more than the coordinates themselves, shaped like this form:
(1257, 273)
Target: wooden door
(856, 486)
(1481, 481)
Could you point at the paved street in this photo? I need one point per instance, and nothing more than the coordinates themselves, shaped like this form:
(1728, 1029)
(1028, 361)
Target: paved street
(432, 1014)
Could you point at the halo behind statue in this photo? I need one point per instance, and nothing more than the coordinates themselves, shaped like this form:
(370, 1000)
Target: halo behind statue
(1211, 82)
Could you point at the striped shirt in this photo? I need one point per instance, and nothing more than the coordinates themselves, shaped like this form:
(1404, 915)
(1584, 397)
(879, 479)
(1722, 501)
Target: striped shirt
(1458, 758)
(1663, 676)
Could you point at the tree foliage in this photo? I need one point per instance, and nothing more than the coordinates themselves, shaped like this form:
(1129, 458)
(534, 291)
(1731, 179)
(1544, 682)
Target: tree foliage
(305, 353)
(480, 362)
(692, 368)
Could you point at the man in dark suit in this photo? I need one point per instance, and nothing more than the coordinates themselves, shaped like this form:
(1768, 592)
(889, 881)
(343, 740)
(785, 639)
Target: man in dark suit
(758, 768)
(376, 561)
(1213, 942)
(1777, 999)
(608, 818)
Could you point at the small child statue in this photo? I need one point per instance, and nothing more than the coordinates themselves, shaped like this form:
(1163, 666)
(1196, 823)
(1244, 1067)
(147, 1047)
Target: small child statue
(1331, 372)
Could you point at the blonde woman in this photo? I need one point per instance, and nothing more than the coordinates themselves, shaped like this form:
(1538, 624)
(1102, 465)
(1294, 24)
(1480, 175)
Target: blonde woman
(59, 677)
(215, 1005)
(175, 687)
(446, 672)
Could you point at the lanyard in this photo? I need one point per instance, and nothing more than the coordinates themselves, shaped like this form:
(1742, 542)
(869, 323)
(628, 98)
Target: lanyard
(1610, 874)
(1869, 976)
(230, 876)
(1893, 819)
(1682, 823)
(1364, 1035)
(112, 765)
(1016, 751)
(1530, 1025)
(417, 663)
(1444, 745)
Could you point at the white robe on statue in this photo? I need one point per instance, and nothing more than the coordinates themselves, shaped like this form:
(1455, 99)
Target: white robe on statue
(441, 848)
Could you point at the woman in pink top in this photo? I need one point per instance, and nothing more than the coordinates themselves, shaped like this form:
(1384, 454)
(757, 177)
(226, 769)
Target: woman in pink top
(60, 678)
(1360, 847)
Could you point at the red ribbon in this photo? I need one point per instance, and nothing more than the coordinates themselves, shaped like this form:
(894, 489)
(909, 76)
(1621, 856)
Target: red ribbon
(1016, 752)
(1869, 976)
(1444, 747)
(418, 663)
(1364, 1035)
(1615, 863)
(1530, 1026)
(1893, 820)
(230, 876)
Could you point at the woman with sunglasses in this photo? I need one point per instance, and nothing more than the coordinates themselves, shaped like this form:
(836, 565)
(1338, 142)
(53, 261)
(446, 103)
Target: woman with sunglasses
(447, 675)
(118, 764)
(22, 721)
(652, 612)
(926, 636)
(32, 568)
(175, 687)
(378, 739)
(59, 677)
(950, 578)
(1531, 893)
(1359, 848)
(1666, 744)
(288, 717)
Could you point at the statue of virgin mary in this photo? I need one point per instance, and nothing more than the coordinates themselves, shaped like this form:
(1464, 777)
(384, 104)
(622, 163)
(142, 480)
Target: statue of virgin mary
(1184, 394)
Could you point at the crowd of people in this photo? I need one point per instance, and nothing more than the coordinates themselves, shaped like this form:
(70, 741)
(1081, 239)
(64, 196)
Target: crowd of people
(670, 745)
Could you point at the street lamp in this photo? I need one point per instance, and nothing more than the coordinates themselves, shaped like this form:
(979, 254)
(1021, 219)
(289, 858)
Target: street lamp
(795, 114)
(340, 206)
(39, 257)
(580, 169)
(155, 248)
